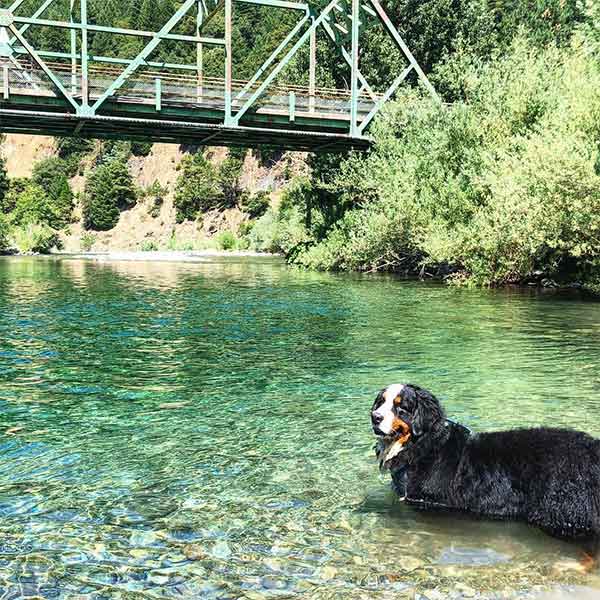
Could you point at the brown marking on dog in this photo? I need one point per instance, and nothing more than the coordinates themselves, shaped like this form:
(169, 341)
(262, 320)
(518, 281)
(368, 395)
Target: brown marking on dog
(398, 400)
(398, 425)
(588, 562)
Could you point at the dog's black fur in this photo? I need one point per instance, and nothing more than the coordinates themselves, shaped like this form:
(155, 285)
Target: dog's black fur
(549, 478)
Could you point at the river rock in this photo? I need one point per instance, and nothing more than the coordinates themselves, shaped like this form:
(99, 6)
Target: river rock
(194, 552)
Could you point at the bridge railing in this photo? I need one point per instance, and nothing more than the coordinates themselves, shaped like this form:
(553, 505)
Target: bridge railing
(164, 88)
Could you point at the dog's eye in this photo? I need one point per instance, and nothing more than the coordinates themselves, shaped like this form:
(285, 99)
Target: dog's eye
(378, 402)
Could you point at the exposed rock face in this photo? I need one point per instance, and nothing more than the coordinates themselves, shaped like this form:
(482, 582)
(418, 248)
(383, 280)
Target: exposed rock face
(142, 227)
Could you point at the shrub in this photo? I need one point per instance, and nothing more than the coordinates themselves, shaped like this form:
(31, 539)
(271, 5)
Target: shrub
(245, 228)
(114, 150)
(256, 205)
(156, 193)
(148, 246)
(279, 231)
(197, 188)
(72, 150)
(226, 240)
(16, 187)
(108, 191)
(34, 238)
(4, 182)
(3, 233)
(229, 174)
(33, 205)
(87, 241)
(141, 148)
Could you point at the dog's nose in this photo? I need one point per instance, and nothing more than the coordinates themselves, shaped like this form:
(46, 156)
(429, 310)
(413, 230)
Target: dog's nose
(376, 418)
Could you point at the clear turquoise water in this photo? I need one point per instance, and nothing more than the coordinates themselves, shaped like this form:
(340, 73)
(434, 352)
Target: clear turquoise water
(201, 430)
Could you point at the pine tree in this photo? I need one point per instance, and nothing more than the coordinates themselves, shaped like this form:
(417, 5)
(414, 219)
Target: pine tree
(108, 191)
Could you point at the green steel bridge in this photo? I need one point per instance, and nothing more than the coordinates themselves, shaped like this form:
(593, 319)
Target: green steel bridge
(72, 92)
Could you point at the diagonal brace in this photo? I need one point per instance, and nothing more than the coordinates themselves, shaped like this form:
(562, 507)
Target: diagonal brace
(141, 57)
(36, 57)
(402, 45)
(38, 13)
(388, 94)
(273, 56)
(283, 62)
(348, 60)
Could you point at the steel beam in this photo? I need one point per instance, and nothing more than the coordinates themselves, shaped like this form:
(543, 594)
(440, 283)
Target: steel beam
(388, 94)
(141, 57)
(118, 30)
(402, 45)
(228, 60)
(284, 61)
(354, 69)
(31, 51)
(85, 74)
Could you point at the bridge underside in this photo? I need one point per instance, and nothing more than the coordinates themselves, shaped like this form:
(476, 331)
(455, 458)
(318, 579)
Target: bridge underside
(176, 125)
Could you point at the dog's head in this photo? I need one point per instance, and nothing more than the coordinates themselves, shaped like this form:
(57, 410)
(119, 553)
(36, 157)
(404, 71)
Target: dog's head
(401, 414)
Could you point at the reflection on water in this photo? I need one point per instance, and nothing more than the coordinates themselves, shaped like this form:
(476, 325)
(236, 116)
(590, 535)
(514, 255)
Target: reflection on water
(201, 430)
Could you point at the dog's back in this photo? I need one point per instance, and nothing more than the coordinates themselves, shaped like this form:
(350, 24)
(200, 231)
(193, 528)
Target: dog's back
(548, 477)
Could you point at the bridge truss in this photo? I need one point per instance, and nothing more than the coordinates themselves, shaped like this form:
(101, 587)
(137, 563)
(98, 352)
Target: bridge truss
(70, 91)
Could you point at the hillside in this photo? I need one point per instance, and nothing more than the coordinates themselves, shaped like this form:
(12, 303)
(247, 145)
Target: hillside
(145, 225)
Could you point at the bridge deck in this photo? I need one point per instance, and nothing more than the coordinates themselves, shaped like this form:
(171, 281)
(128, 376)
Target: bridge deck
(173, 107)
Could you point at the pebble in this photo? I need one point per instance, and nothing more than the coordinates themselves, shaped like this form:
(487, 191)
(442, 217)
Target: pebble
(194, 552)
(13, 430)
(143, 538)
(221, 550)
(410, 563)
(327, 573)
(159, 579)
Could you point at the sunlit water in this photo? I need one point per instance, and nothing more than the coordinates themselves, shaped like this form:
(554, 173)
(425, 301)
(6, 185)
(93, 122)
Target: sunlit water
(201, 430)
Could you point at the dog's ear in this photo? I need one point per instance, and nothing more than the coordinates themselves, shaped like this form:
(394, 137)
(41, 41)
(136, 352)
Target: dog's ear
(427, 412)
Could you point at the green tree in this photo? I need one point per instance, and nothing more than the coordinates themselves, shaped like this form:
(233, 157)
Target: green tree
(51, 175)
(34, 206)
(4, 182)
(198, 187)
(72, 150)
(230, 172)
(3, 233)
(109, 190)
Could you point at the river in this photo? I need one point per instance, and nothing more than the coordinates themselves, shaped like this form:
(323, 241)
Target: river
(201, 430)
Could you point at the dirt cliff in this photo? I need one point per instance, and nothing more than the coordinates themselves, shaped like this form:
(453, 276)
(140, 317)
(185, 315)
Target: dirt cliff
(141, 227)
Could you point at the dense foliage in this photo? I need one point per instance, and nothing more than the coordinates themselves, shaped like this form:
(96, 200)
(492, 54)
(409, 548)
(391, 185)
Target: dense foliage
(202, 186)
(502, 185)
(33, 210)
(51, 175)
(34, 238)
(3, 233)
(109, 189)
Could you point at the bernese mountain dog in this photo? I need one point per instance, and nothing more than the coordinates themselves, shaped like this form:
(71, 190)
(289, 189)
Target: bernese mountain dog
(549, 478)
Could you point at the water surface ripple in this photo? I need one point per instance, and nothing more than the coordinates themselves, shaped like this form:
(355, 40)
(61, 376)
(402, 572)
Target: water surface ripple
(200, 430)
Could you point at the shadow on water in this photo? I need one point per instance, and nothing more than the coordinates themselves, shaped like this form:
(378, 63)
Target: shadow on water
(201, 429)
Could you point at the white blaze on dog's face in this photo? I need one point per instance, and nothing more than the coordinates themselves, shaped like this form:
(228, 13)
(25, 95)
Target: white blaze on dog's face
(383, 416)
